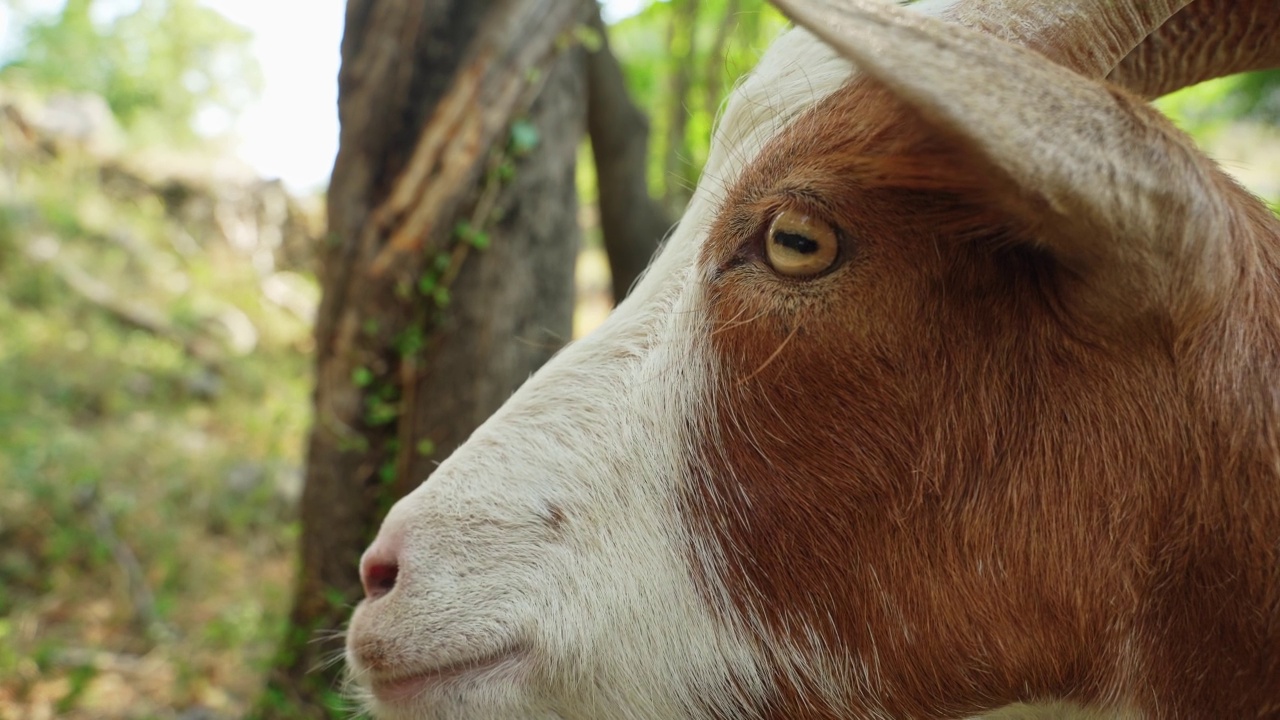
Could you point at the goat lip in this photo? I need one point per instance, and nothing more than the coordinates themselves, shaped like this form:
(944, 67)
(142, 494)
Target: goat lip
(407, 687)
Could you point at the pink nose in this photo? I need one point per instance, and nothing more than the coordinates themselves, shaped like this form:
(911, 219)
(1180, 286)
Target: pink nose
(380, 565)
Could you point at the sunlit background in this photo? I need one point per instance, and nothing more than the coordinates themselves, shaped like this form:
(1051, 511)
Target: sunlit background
(291, 130)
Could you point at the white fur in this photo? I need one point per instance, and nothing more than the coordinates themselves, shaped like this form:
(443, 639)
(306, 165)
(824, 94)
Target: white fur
(606, 604)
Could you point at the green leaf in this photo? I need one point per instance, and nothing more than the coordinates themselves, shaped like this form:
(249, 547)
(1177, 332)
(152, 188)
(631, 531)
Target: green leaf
(353, 443)
(411, 341)
(590, 38)
(380, 413)
(403, 290)
(335, 598)
(362, 376)
(441, 296)
(524, 138)
(387, 473)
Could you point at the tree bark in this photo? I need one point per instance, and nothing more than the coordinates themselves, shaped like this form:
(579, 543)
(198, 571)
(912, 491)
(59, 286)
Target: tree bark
(631, 220)
(448, 276)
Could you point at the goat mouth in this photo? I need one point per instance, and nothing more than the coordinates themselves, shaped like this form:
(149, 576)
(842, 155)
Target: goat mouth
(406, 687)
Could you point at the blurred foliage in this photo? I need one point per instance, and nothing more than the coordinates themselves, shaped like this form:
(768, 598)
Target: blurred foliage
(1249, 97)
(154, 379)
(1256, 96)
(1236, 120)
(727, 39)
(160, 67)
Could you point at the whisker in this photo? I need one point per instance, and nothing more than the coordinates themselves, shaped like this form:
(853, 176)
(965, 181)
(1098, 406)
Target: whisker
(323, 636)
(716, 327)
(328, 660)
(771, 358)
(734, 321)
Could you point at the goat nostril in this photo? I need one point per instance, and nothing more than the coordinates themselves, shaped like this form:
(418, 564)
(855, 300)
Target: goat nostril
(380, 564)
(378, 579)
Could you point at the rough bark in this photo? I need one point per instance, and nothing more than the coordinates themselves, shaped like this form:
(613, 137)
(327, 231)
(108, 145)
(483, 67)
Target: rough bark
(447, 279)
(631, 220)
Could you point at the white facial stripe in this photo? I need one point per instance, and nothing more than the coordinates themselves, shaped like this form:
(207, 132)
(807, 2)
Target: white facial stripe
(603, 599)
(606, 603)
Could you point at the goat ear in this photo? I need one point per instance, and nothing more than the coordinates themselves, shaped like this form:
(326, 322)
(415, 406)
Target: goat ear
(1105, 185)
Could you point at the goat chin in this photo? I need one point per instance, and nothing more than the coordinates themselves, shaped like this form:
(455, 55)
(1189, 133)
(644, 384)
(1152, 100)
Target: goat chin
(953, 395)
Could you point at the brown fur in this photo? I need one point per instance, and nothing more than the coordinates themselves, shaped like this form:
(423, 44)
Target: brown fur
(962, 473)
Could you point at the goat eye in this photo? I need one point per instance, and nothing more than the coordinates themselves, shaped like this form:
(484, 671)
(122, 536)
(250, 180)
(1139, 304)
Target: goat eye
(800, 245)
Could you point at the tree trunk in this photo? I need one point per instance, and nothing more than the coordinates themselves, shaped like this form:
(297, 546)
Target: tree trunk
(448, 276)
(631, 220)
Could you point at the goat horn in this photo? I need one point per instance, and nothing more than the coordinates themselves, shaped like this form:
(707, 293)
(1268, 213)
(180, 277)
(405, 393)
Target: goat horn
(1205, 40)
(1108, 192)
(1088, 36)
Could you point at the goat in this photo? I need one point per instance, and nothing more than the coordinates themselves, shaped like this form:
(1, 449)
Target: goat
(955, 394)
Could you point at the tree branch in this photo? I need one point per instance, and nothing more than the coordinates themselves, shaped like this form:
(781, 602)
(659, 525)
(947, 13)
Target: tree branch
(631, 220)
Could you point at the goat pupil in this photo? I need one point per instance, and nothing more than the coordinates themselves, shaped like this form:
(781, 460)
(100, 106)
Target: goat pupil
(798, 243)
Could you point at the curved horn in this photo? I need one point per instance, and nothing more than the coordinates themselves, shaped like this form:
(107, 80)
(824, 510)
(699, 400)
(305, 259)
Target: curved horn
(1090, 37)
(1205, 40)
